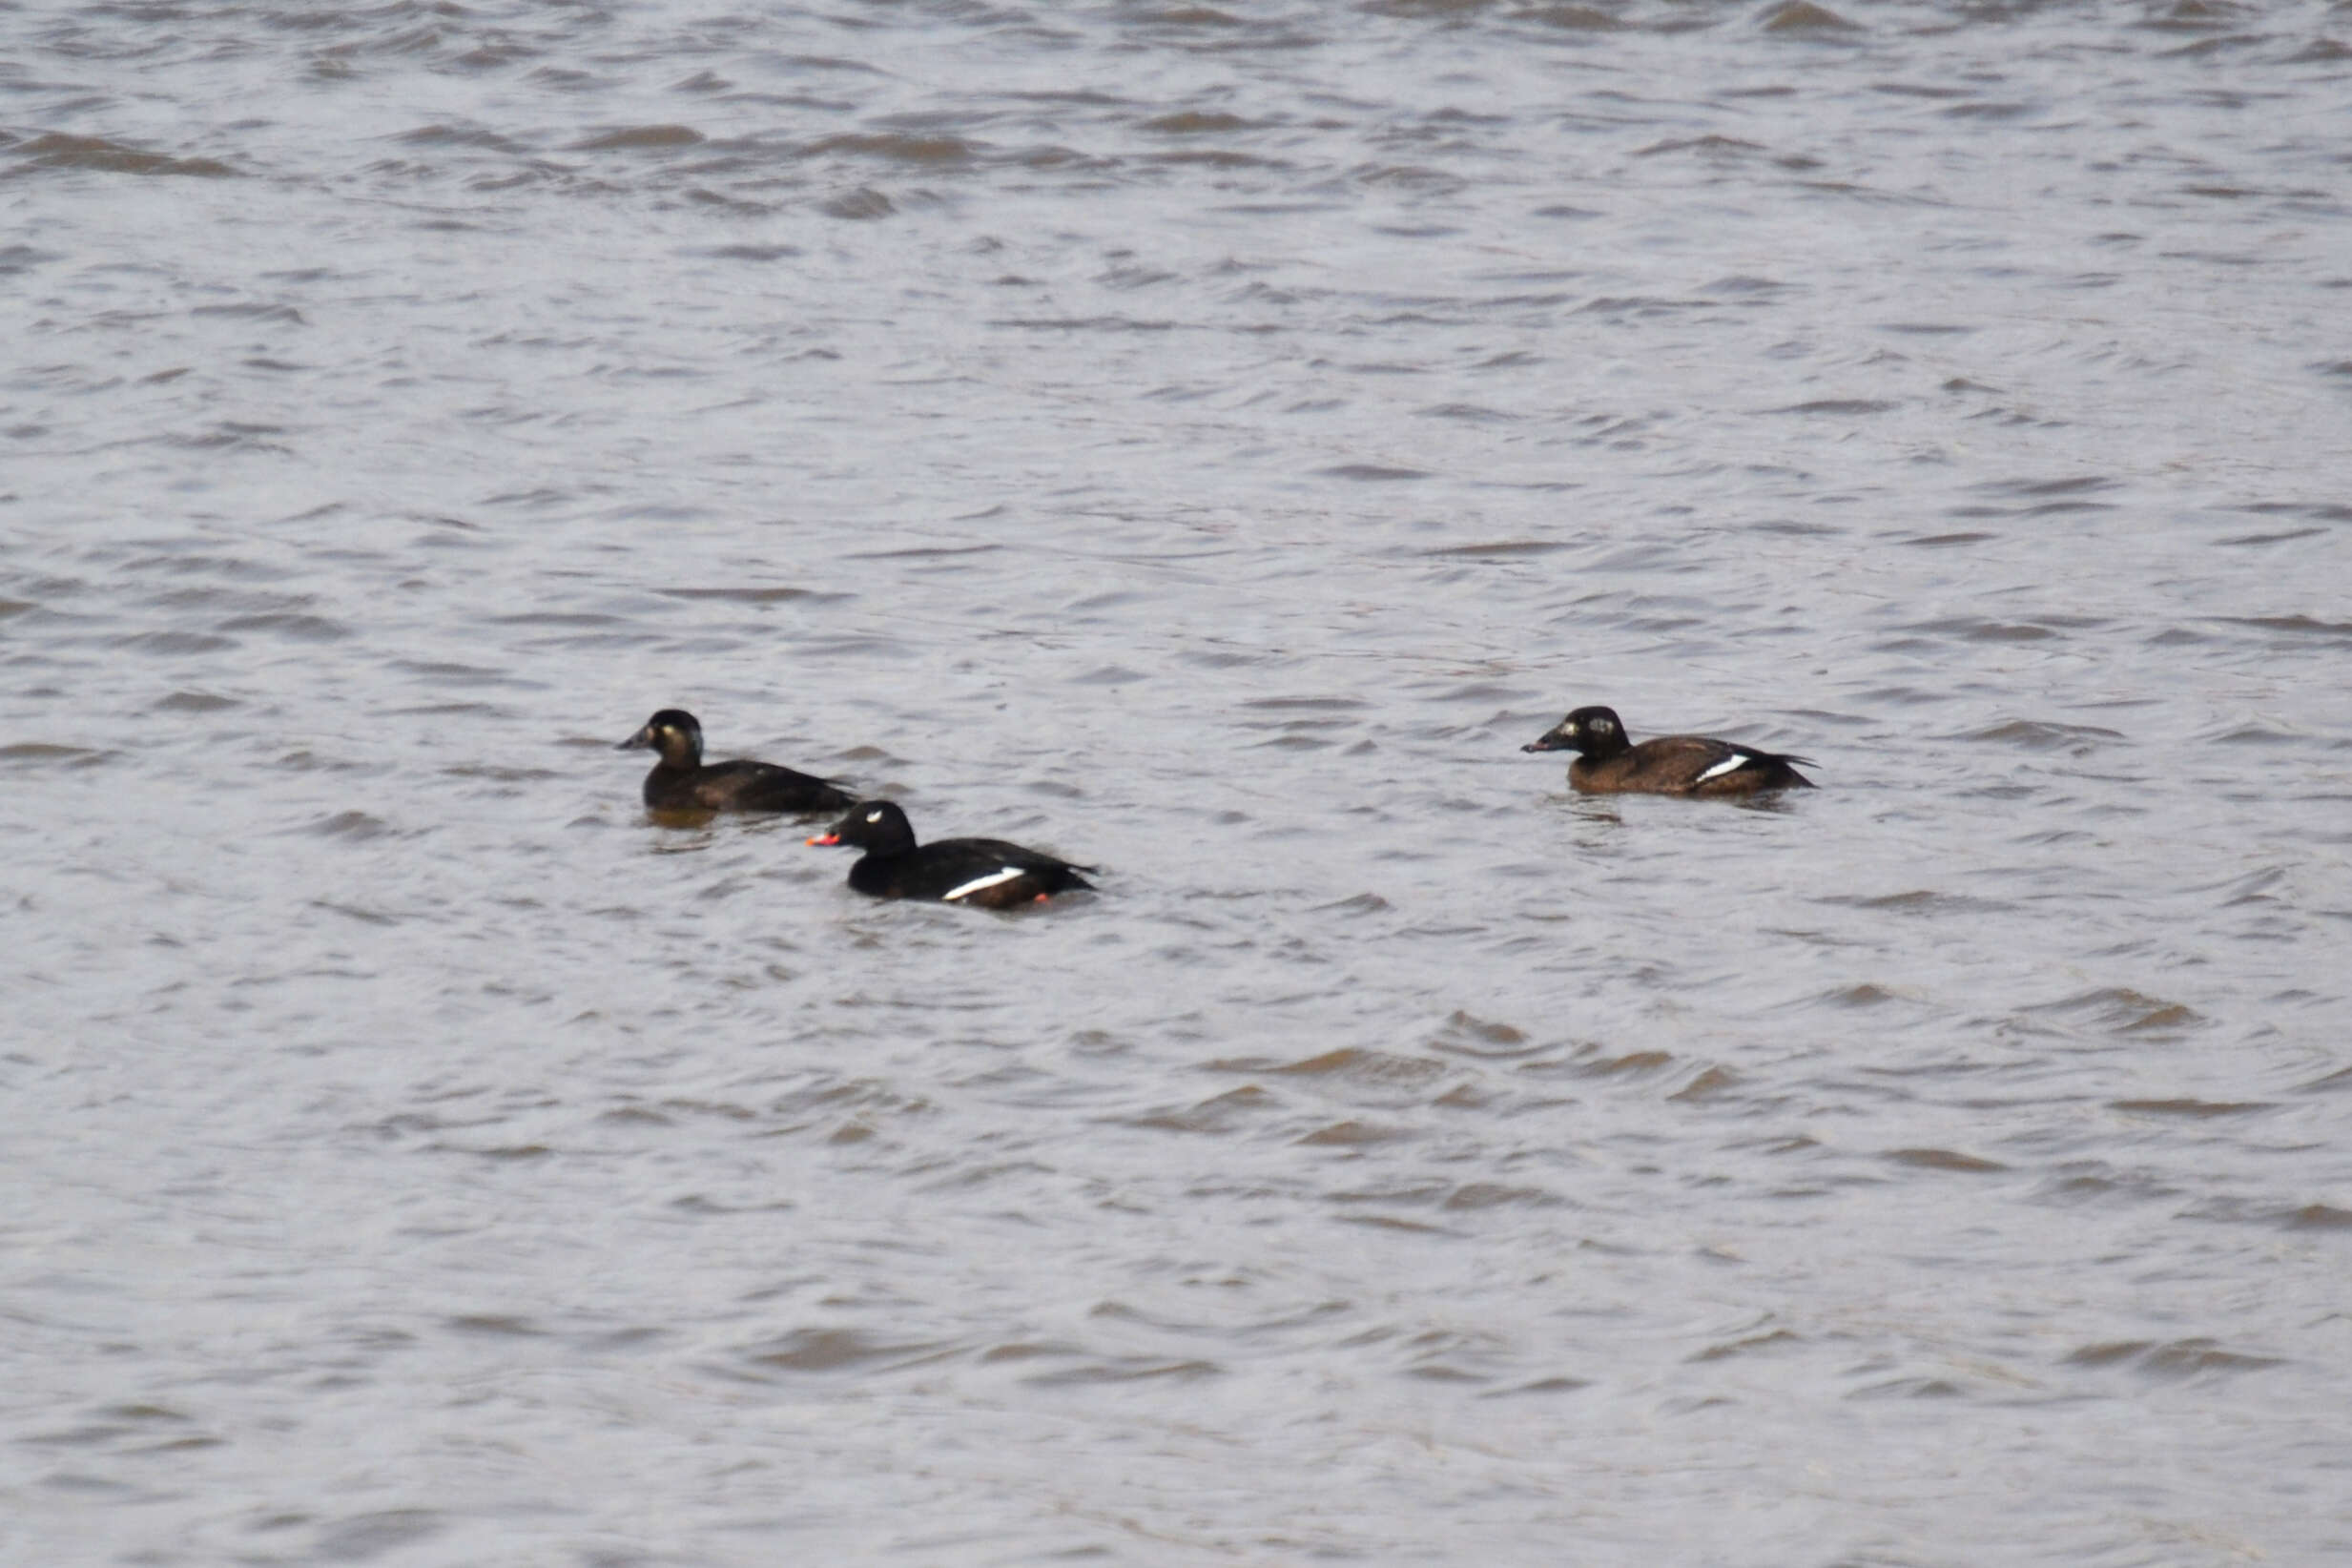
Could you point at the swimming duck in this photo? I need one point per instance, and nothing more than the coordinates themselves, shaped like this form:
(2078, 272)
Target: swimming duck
(683, 782)
(1612, 764)
(986, 871)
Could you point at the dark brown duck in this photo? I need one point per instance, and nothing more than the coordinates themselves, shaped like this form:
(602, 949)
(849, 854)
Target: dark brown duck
(1698, 765)
(683, 782)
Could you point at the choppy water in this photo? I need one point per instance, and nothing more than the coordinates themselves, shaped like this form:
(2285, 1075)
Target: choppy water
(1208, 442)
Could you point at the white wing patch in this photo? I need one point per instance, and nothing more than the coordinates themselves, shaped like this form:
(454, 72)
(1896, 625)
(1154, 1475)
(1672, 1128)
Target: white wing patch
(978, 884)
(1731, 764)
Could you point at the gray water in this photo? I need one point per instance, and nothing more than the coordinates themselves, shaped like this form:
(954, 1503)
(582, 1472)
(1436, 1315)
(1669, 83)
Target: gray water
(1205, 441)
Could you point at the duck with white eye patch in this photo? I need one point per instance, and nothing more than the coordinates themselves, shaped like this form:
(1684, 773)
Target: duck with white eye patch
(987, 872)
(1610, 763)
(681, 781)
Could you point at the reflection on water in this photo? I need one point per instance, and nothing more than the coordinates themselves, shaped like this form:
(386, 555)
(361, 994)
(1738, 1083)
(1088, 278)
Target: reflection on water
(1210, 445)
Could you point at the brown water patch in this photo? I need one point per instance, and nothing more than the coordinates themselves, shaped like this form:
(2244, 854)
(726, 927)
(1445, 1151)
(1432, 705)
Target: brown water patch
(1711, 1084)
(1942, 1159)
(817, 1350)
(630, 137)
(1352, 1134)
(58, 151)
(1131, 1370)
(1477, 1195)
(1196, 123)
(2295, 626)
(1803, 16)
(1465, 1034)
(2173, 1359)
(1776, 1340)
(1843, 407)
(1217, 1114)
(1864, 995)
(34, 754)
(895, 148)
(1591, 1064)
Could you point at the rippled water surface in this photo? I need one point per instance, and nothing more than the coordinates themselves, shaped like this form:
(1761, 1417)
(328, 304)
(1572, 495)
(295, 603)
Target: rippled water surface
(1207, 441)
